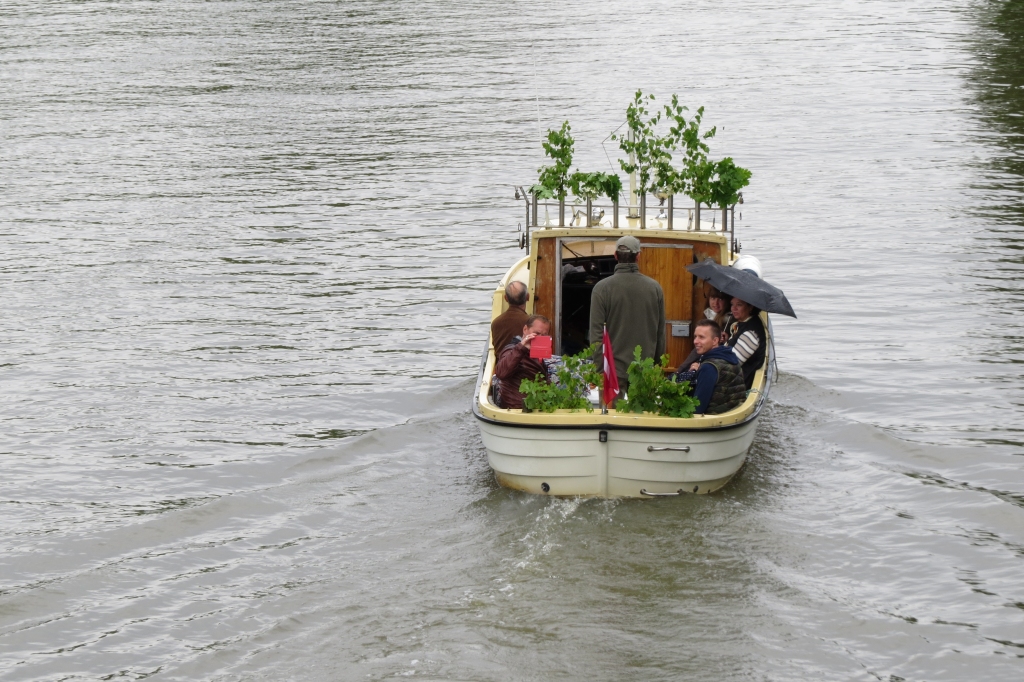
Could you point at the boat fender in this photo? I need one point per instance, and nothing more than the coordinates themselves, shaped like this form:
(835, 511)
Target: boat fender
(750, 264)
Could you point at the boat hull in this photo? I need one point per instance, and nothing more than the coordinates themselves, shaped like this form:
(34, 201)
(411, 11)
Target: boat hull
(608, 462)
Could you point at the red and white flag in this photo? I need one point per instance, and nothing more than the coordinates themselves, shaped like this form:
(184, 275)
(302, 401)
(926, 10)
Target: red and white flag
(611, 379)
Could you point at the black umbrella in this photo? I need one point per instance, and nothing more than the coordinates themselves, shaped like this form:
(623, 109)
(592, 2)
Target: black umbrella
(744, 285)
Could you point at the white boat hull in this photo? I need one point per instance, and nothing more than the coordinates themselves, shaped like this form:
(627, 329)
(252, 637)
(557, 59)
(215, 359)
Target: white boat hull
(615, 462)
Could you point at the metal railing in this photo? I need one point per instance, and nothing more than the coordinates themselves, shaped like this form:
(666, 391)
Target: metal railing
(661, 213)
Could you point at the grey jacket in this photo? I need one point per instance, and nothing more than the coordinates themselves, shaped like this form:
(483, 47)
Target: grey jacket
(633, 307)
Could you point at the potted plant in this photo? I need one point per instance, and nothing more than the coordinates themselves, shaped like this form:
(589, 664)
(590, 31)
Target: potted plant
(650, 154)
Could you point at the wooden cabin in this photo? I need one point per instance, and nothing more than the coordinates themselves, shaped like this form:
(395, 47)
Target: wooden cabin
(564, 264)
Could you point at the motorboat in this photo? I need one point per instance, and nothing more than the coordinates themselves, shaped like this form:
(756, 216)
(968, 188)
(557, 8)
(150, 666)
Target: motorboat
(606, 453)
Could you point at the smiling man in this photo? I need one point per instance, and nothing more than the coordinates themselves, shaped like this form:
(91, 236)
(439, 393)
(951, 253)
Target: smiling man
(719, 381)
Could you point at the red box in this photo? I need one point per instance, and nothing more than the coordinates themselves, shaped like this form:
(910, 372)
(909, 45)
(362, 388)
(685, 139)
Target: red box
(540, 347)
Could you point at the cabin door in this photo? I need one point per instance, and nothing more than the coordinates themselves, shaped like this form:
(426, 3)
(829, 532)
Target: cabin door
(666, 263)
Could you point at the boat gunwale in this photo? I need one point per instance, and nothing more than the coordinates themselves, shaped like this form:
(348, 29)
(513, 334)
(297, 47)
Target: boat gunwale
(608, 426)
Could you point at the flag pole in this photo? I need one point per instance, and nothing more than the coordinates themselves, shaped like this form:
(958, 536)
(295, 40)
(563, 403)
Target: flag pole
(604, 407)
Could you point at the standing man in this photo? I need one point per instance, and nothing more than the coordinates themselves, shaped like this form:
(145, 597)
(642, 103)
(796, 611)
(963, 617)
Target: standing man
(510, 323)
(633, 307)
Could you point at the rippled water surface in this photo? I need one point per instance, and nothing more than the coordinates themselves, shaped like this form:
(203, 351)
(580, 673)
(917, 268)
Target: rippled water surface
(245, 257)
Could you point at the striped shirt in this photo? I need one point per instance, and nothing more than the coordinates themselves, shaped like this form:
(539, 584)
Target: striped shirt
(747, 339)
(746, 344)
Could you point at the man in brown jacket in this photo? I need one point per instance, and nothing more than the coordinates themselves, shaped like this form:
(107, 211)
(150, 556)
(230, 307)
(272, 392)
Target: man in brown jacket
(510, 323)
(515, 363)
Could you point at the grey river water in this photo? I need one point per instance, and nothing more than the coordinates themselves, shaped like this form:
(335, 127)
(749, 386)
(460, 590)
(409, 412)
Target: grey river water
(246, 250)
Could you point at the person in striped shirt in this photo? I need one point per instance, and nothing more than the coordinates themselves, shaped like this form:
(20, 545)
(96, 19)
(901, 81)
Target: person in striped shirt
(747, 338)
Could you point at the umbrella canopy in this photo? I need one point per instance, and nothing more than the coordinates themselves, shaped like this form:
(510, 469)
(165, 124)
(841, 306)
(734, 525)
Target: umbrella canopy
(743, 285)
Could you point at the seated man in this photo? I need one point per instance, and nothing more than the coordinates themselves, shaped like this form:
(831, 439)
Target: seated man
(719, 380)
(718, 312)
(515, 364)
(747, 338)
(507, 325)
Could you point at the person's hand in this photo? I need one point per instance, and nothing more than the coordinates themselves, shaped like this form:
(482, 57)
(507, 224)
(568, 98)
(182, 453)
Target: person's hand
(527, 340)
(694, 367)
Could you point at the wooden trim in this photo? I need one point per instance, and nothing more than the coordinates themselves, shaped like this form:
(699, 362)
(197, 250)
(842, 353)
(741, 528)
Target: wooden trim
(543, 276)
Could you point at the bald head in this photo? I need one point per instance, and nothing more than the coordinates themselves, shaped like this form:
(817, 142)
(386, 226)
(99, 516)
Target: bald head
(516, 293)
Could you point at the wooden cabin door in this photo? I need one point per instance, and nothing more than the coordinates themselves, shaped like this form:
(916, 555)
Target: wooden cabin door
(543, 284)
(666, 263)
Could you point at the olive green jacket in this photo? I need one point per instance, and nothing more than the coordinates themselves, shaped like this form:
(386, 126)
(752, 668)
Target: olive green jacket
(633, 307)
(730, 391)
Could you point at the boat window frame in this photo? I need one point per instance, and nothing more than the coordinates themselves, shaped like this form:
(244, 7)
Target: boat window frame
(559, 241)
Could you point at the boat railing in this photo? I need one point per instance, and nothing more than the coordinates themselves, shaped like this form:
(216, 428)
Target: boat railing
(647, 212)
(652, 213)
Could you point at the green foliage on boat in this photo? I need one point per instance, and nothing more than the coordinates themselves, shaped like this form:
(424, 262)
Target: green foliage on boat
(646, 150)
(555, 181)
(676, 161)
(650, 390)
(592, 185)
(570, 388)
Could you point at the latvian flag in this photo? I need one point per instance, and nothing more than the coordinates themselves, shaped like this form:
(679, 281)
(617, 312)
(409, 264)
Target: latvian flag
(611, 379)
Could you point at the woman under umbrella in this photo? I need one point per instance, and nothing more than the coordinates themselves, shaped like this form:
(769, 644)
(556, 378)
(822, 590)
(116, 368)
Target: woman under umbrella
(747, 338)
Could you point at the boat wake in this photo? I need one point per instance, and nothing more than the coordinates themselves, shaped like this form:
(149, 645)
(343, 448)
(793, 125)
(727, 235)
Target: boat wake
(397, 545)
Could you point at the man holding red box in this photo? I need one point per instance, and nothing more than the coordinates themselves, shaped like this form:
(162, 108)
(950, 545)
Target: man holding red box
(518, 361)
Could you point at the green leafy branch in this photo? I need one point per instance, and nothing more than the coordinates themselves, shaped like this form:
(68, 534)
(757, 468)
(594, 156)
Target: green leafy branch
(592, 185)
(651, 391)
(569, 391)
(715, 183)
(645, 147)
(553, 181)
(685, 138)
(727, 181)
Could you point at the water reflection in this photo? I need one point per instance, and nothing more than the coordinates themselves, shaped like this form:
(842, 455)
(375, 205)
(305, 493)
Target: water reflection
(999, 83)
